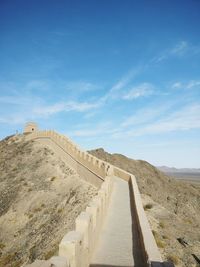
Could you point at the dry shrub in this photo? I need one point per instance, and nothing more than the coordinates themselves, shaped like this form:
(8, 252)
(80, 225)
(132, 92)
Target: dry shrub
(148, 206)
(173, 258)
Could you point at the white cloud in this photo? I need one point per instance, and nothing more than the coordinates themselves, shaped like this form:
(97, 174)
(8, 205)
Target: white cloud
(186, 118)
(37, 84)
(187, 85)
(86, 133)
(12, 100)
(143, 116)
(160, 120)
(80, 86)
(142, 90)
(179, 48)
(124, 80)
(64, 107)
(117, 89)
(100, 129)
(177, 85)
(192, 84)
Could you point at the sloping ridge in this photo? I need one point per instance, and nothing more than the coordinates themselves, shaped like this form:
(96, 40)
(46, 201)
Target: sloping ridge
(41, 197)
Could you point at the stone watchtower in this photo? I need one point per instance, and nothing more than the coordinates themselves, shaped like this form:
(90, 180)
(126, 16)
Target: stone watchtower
(30, 127)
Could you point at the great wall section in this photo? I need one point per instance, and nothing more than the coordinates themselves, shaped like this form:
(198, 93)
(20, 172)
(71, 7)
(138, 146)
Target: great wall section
(113, 231)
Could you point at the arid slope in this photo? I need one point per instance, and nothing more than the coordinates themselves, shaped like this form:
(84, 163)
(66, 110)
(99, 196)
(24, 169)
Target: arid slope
(40, 197)
(172, 207)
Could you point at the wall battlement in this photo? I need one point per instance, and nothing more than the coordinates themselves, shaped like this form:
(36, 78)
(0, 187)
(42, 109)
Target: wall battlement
(76, 247)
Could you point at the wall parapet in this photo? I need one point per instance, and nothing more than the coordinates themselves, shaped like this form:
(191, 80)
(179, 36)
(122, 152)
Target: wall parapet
(73, 242)
(76, 247)
(94, 165)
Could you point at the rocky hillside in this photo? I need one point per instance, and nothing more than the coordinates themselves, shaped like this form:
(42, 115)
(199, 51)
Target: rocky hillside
(40, 197)
(172, 207)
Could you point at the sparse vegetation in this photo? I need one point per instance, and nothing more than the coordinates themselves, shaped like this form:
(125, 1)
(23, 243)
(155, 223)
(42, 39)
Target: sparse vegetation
(50, 253)
(188, 221)
(161, 224)
(154, 232)
(37, 209)
(148, 206)
(173, 258)
(60, 210)
(30, 215)
(10, 259)
(53, 178)
(159, 242)
(2, 246)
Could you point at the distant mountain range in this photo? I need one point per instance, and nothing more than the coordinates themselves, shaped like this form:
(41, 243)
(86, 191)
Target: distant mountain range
(176, 170)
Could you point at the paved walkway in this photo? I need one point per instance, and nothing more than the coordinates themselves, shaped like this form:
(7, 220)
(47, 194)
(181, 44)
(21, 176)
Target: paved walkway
(115, 244)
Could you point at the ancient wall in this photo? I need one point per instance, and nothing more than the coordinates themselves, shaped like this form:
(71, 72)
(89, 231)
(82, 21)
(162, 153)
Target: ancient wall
(87, 166)
(30, 127)
(77, 245)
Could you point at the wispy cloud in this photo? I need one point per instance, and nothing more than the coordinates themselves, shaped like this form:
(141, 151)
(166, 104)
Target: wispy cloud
(192, 84)
(176, 85)
(14, 119)
(27, 101)
(100, 129)
(141, 90)
(19, 109)
(178, 50)
(186, 85)
(145, 115)
(186, 118)
(64, 107)
(120, 87)
(146, 123)
(80, 86)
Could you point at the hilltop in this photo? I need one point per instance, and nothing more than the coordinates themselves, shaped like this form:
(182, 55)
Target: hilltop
(172, 208)
(40, 199)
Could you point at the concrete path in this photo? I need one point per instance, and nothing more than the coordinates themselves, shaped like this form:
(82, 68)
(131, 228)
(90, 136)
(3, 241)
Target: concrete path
(115, 244)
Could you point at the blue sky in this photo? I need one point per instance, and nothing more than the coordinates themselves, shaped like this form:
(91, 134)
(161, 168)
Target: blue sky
(123, 75)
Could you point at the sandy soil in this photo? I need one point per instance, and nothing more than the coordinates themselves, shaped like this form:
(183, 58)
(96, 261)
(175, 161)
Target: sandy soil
(172, 208)
(40, 198)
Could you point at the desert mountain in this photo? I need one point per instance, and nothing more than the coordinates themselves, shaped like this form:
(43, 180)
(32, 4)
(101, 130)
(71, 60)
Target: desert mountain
(172, 207)
(40, 197)
(179, 170)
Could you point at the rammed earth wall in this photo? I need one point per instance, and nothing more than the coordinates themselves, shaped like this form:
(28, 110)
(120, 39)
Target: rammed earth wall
(76, 247)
